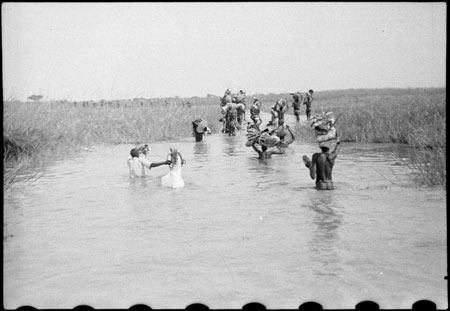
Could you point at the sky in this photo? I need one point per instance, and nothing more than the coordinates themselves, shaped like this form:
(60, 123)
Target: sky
(92, 51)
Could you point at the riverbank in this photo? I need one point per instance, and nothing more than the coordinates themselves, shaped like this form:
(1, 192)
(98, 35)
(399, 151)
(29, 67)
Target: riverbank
(36, 133)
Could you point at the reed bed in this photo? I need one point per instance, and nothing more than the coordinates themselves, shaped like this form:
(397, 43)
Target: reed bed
(416, 119)
(35, 133)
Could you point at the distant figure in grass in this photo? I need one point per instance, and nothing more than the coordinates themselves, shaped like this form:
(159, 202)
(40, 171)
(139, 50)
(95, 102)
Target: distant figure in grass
(321, 165)
(199, 129)
(308, 101)
(298, 100)
(138, 162)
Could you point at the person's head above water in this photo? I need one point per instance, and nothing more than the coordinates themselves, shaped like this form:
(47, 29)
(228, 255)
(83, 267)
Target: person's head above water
(134, 153)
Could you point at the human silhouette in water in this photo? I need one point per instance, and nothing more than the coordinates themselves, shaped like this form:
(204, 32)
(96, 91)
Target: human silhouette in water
(321, 165)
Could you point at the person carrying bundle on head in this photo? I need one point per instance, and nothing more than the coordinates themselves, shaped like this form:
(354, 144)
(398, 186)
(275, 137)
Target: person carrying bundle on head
(230, 119)
(240, 114)
(239, 98)
(280, 107)
(264, 153)
(324, 126)
(308, 101)
(199, 129)
(255, 111)
(273, 117)
(321, 165)
(227, 98)
(298, 100)
(286, 136)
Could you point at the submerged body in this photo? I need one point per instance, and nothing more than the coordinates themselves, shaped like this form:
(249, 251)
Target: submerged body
(321, 167)
(174, 178)
(138, 162)
(137, 166)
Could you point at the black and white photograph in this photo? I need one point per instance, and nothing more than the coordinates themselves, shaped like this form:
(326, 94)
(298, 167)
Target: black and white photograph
(222, 155)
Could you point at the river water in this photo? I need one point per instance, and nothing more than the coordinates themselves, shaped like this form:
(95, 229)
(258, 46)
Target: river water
(241, 230)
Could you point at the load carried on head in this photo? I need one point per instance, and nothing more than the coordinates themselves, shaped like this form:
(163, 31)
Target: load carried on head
(200, 126)
(233, 111)
(229, 97)
(324, 126)
(277, 112)
(264, 138)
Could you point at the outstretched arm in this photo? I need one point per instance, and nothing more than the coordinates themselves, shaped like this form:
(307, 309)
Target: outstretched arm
(167, 162)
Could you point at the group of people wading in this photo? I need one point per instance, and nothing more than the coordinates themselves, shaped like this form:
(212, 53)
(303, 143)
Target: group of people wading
(233, 111)
(277, 136)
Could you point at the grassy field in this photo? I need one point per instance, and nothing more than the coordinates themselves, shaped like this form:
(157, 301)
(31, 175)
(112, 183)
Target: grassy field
(36, 132)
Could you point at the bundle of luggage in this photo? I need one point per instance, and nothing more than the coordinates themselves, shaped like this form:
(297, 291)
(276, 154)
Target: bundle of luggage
(265, 138)
(324, 126)
(281, 106)
(229, 98)
(230, 106)
(200, 126)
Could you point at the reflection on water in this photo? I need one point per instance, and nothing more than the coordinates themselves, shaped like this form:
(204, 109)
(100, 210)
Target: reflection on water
(327, 218)
(231, 144)
(200, 148)
(241, 230)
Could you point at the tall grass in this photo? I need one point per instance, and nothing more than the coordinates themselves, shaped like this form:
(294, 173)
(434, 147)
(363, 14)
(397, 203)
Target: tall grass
(36, 132)
(416, 119)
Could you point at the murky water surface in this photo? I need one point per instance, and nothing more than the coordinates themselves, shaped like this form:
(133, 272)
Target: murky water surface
(241, 230)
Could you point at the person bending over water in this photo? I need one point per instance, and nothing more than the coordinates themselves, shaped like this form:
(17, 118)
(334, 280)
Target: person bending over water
(264, 153)
(138, 162)
(286, 136)
(199, 129)
(321, 165)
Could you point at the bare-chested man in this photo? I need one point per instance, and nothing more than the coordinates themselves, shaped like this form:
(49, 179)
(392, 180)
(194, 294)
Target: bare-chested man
(321, 166)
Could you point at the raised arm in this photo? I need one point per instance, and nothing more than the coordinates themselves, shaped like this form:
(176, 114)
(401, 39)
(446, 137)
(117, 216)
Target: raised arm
(313, 167)
(337, 148)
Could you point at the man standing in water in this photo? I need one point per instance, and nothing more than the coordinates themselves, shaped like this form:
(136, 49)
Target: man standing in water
(199, 129)
(298, 99)
(137, 163)
(321, 165)
(308, 102)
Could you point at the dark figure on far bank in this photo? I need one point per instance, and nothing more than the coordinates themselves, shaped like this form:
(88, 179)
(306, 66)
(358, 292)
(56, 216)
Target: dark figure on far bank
(308, 101)
(321, 165)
